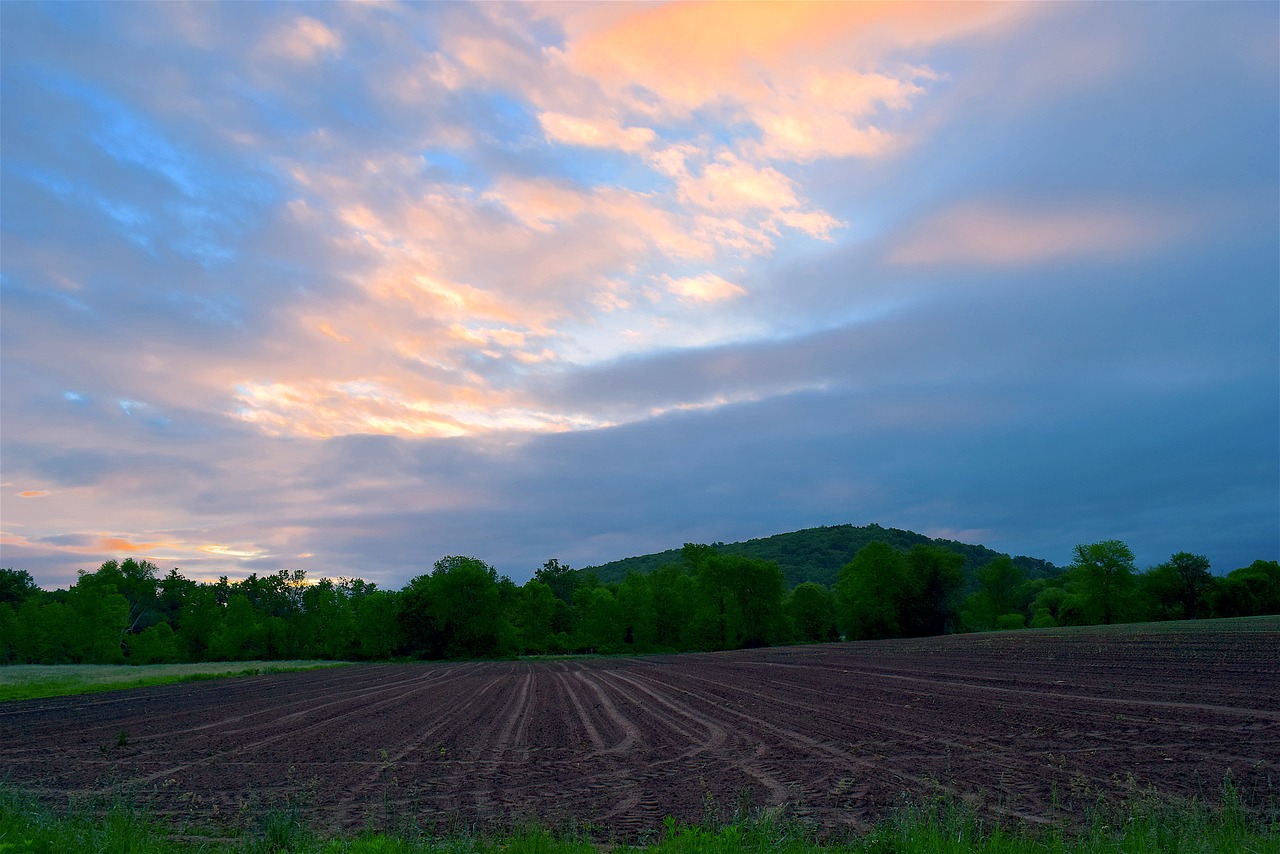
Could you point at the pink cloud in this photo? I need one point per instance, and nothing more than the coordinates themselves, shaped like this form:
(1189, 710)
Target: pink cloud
(302, 40)
(1000, 235)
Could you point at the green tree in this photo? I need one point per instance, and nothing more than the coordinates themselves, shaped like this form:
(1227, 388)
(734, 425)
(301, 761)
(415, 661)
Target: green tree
(599, 628)
(42, 633)
(812, 612)
(534, 616)
(199, 618)
(456, 612)
(1001, 591)
(327, 622)
(242, 634)
(8, 633)
(674, 597)
(1250, 591)
(1178, 589)
(561, 578)
(16, 586)
(467, 603)
(153, 645)
(739, 599)
(935, 575)
(97, 620)
(1006, 622)
(1103, 576)
(172, 593)
(135, 580)
(871, 593)
(759, 589)
(638, 613)
(377, 630)
(416, 618)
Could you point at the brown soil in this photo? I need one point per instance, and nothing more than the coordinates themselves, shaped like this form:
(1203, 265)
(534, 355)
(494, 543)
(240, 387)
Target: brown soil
(1026, 725)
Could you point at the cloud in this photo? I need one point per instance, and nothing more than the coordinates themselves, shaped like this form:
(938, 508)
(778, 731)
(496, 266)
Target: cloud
(692, 54)
(990, 234)
(601, 133)
(748, 203)
(120, 544)
(303, 40)
(799, 72)
(706, 288)
(396, 281)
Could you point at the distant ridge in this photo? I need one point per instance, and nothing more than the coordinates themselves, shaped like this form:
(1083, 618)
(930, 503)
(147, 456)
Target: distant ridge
(818, 554)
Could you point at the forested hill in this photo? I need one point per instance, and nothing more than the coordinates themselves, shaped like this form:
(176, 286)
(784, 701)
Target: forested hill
(817, 554)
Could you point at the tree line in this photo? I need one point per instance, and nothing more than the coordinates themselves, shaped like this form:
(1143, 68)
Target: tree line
(705, 600)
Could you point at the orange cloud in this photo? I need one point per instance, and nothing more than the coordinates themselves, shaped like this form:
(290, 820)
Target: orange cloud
(812, 76)
(119, 544)
(692, 53)
(33, 493)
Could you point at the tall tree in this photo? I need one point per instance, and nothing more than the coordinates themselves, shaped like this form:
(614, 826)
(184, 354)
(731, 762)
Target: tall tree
(935, 575)
(97, 620)
(326, 625)
(8, 633)
(759, 589)
(812, 612)
(638, 613)
(1001, 590)
(16, 586)
(135, 580)
(674, 599)
(1178, 589)
(561, 578)
(871, 593)
(739, 599)
(242, 634)
(599, 628)
(1250, 591)
(199, 619)
(456, 611)
(377, 630)
(532, 616)
(1103, 576)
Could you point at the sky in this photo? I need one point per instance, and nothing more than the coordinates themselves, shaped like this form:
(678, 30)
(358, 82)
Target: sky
(349, 287)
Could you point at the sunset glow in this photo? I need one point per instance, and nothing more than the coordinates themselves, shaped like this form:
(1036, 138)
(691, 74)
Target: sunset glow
(378, 283)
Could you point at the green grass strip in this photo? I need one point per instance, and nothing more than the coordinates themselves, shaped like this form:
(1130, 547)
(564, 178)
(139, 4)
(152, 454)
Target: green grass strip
(1148, 826)
(38, 681)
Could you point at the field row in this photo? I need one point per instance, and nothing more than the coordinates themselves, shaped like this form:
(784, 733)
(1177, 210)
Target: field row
(1020, 725)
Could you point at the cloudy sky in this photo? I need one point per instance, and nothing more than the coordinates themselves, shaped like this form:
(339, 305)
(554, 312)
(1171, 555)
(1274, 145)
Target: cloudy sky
(349, 287)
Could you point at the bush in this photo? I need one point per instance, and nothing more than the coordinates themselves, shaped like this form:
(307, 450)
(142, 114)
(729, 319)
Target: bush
(1011, 621)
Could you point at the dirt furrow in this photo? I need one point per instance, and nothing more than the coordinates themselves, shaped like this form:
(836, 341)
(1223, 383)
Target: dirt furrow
(1016, 724)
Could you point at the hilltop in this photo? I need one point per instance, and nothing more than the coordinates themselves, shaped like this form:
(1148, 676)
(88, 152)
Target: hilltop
(817, 554)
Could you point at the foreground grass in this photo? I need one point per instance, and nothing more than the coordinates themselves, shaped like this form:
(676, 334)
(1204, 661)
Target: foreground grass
(36, 681)
(1148, 826)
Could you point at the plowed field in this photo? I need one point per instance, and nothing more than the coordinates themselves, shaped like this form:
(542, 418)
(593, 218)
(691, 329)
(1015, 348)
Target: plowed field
(1022, 724)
